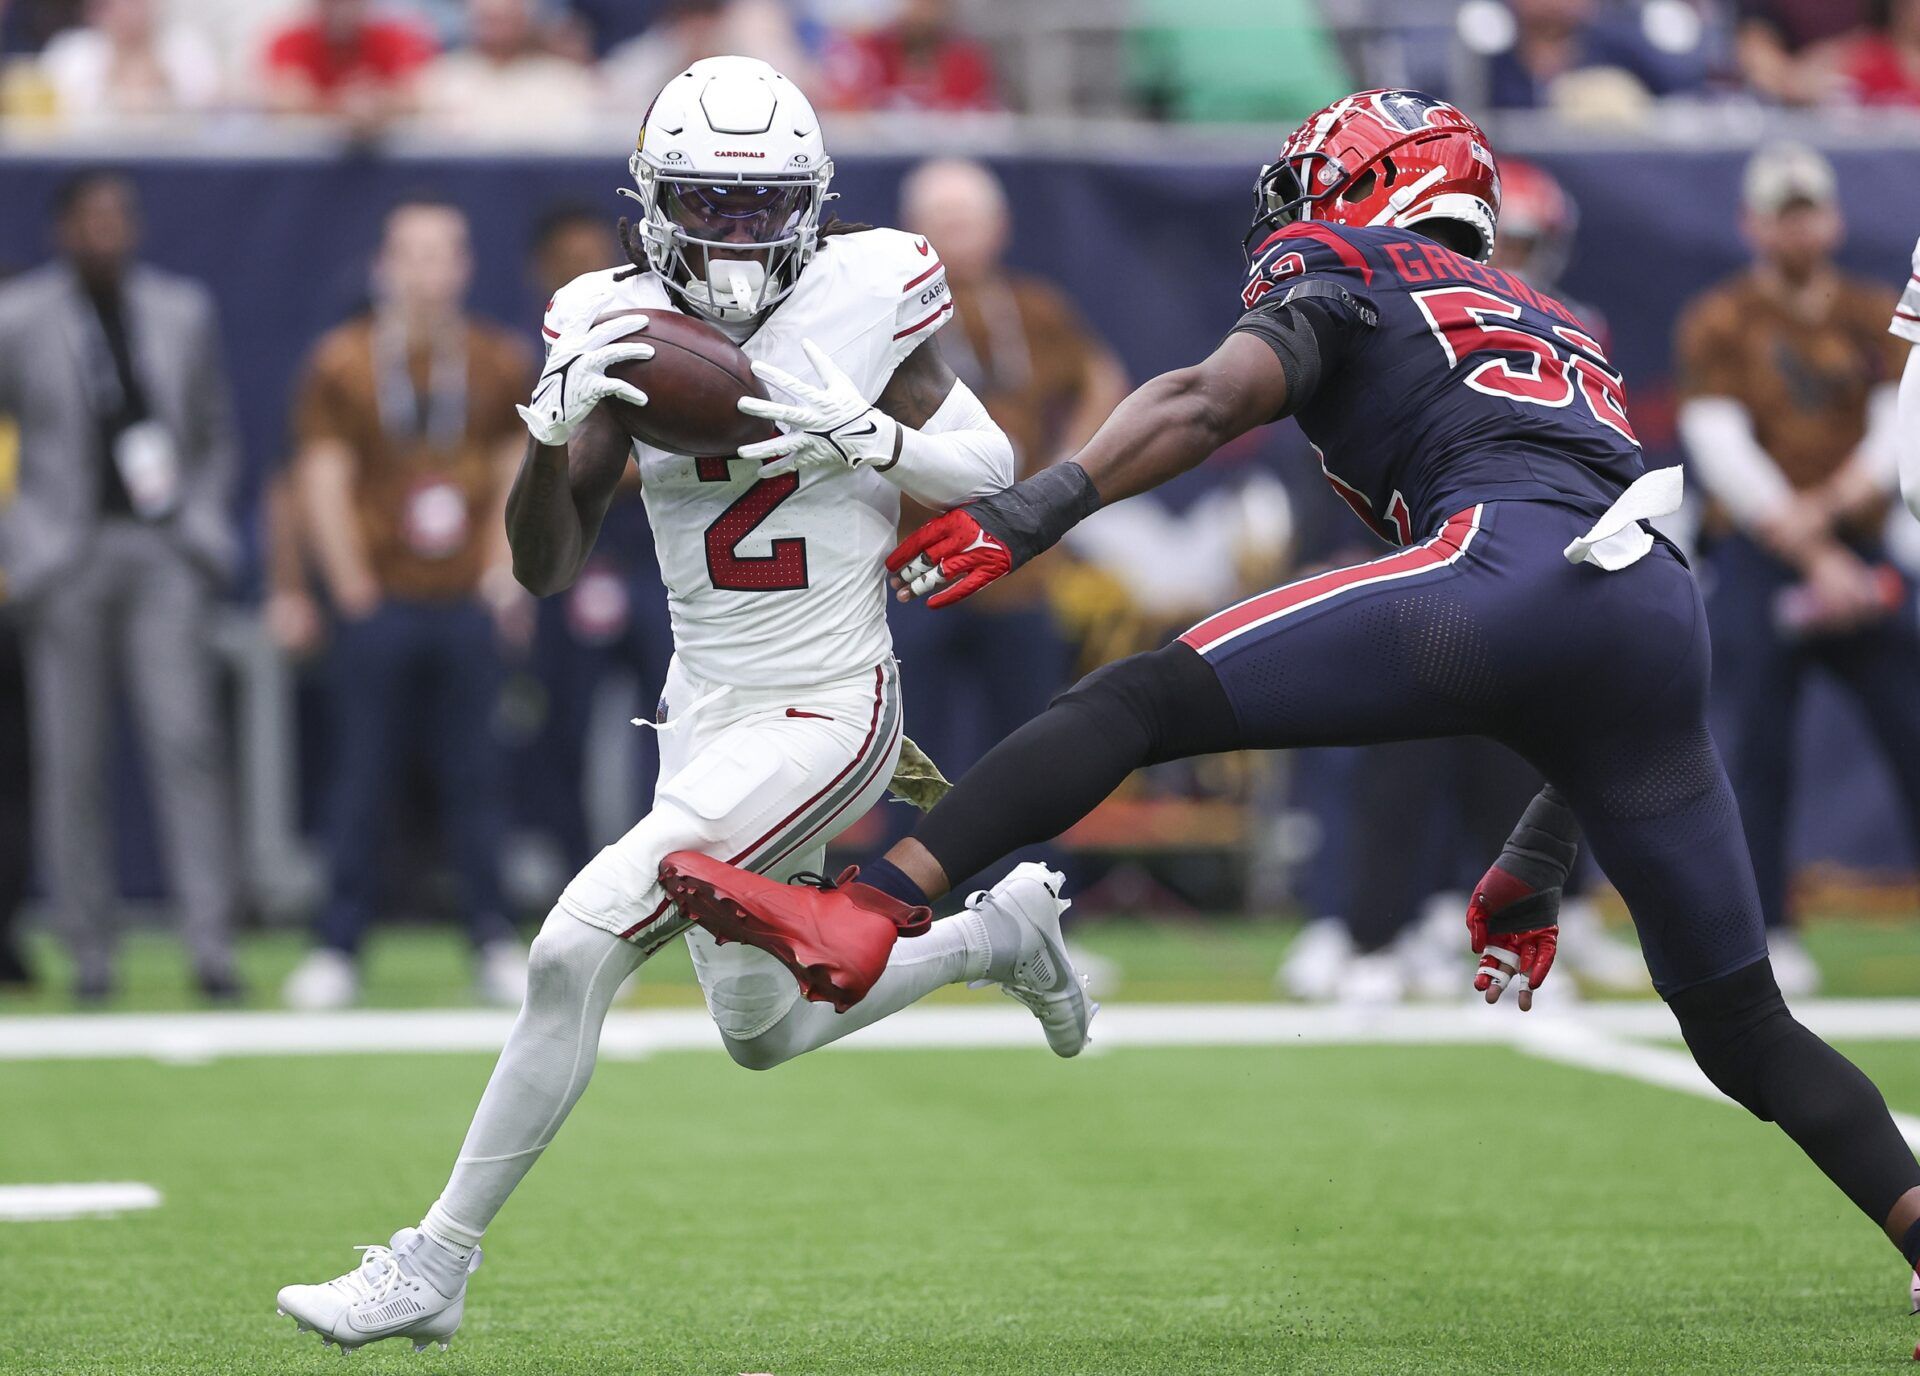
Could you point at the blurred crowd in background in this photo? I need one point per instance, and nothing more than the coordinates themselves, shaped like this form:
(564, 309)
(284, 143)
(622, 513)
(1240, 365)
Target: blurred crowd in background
(411, 734)
(520, 70)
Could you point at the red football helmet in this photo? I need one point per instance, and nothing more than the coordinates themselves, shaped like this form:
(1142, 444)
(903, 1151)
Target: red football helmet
(1537, 221)
(1383, 158)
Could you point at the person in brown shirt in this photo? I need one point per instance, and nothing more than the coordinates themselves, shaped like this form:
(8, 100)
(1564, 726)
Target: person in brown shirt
(406, 441)
(1049, 382)
(1788, 383)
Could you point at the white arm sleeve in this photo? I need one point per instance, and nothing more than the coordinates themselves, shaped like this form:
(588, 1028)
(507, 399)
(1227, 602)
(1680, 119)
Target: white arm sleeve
(1907, 428)
(1879, 449)
(1718, 434)
(959, 454)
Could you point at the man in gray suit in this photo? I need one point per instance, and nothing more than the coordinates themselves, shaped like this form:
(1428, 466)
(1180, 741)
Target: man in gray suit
(114, 548)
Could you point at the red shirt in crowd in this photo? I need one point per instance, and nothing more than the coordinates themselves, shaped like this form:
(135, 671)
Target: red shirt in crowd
(1880, 74)
(381, 52)
(880, 71)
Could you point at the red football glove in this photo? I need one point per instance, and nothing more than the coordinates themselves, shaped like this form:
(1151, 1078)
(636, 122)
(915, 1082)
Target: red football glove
(1513, 919)
(1523, 956)
(949, 558)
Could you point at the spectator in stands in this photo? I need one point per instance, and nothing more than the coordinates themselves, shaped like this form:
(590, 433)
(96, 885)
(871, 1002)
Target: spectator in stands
(920, 61)
(686, 31)
(124, 62)
(1049, 382)
(612, 623)
(505, 83)
(1789, 50)
(345, 61)
(26, 25)
(1788, 380)
(1882, 65)
(1555, 45)
(407, 441)
(114, 549)
(15, 970)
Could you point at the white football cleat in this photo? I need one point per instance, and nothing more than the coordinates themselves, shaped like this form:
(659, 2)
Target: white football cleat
(1793, 967)
(500, 974)
(1316, 961)
(325, 980)
(1377, 979)
(1041, 975)
(1593, 955)
(385, 1296)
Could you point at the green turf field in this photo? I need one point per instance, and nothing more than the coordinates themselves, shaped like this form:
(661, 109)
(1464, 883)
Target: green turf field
(1245, 1210)
(1146, 1211)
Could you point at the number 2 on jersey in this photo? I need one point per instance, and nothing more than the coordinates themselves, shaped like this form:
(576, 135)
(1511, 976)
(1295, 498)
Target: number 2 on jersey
(783, 568)
(1466, 321)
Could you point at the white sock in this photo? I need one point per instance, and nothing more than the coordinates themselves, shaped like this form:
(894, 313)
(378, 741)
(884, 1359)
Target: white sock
(573, 973)
(955, 949)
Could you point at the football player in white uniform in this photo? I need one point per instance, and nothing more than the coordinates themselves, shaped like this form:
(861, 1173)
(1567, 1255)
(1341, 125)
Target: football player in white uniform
(1906, 324)
(781, 718)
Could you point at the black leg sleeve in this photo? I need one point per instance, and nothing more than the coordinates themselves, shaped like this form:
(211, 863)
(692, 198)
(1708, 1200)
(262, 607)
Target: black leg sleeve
(1762, 1057)
(1148, 708)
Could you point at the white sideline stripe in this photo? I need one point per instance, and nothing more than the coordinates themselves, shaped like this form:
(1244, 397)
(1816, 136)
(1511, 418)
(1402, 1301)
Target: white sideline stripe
(631, 1034)
(41, 1203)
(1566, 1041)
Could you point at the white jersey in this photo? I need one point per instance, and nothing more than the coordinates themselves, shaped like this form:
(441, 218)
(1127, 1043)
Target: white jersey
(780, 582)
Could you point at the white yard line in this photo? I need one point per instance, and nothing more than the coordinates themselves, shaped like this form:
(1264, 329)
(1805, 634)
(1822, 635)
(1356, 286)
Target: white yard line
(101, 1199)
(194, 1037)
(1629, 1038)
(1566, 1040)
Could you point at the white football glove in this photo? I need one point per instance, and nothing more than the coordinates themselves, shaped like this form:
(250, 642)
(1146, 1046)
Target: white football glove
(575, 379)
(831, 423)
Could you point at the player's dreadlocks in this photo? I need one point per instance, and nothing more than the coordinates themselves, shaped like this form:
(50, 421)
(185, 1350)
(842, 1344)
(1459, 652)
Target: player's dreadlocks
(637, 253)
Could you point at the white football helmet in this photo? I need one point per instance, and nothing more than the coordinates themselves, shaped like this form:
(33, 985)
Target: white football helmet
(733, 176)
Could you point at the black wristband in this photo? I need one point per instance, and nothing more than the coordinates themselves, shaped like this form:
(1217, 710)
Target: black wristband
(1540, 854)
(1030, 517)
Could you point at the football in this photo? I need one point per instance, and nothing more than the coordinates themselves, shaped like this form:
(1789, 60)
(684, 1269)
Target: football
(693, 382)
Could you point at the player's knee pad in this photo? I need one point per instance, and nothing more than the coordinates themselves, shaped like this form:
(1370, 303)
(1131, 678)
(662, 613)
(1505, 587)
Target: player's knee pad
(1732, 1025)
(748, 993)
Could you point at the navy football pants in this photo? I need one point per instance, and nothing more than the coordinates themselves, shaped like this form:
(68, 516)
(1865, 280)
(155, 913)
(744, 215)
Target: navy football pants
(1598, 679)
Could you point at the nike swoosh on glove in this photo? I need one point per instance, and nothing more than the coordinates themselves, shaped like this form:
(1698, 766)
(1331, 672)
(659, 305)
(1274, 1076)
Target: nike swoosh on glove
(951, 557)
(827, 424)
(575, 379)
(1513, 919)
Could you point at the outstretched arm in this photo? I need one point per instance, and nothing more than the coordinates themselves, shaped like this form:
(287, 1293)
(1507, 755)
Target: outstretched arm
(1175, 420)
(1163, 429)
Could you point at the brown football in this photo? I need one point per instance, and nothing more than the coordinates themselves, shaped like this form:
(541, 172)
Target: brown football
(692, 382)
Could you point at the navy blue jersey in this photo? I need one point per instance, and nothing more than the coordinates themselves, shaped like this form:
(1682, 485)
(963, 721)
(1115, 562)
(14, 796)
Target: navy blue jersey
(1443, 382)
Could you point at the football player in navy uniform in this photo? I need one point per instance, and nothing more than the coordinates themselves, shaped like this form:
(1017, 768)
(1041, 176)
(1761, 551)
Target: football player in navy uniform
(1477, 425)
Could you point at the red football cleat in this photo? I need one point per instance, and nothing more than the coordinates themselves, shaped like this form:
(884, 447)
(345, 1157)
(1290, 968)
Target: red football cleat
(835, 936)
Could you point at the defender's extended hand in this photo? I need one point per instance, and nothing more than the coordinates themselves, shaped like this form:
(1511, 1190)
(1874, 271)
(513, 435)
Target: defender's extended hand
(948, 559)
